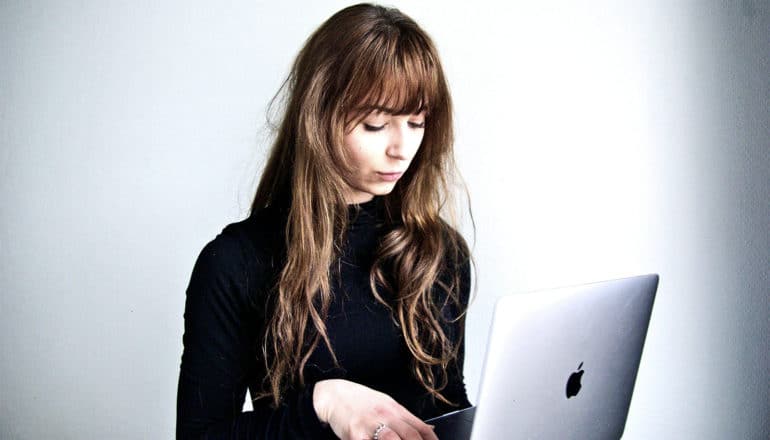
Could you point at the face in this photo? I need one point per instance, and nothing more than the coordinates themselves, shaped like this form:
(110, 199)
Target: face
(381, 147)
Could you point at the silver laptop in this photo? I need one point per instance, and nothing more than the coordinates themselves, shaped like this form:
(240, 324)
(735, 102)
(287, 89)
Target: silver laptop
(560, 364)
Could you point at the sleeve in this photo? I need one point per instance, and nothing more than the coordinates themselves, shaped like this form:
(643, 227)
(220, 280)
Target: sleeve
(219, 359)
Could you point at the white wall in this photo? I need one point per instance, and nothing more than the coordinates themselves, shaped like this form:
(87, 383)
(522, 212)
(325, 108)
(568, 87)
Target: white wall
(597, 141)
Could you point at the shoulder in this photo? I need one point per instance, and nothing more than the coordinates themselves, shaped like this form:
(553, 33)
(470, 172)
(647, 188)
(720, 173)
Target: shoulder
(259, 238)
(242, 258)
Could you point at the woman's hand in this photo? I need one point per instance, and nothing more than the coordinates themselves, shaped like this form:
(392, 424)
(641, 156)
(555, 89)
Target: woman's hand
(354, 412)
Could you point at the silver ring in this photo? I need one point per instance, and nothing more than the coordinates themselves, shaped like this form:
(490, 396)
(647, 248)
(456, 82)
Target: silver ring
(377, 431)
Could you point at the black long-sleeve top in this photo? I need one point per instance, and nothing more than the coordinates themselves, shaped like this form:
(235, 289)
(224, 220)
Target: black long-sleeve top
(227, 307)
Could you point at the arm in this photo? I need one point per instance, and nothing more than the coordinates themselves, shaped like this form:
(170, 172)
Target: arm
(220, 355)
(221, 327)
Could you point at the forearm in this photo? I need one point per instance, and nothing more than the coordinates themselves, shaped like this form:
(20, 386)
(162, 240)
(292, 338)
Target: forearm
(201, 415)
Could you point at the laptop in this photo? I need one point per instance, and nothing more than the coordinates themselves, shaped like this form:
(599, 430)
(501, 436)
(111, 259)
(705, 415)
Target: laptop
(560, 364)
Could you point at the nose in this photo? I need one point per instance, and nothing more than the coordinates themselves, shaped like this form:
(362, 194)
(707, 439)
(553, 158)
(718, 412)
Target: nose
(397, 143)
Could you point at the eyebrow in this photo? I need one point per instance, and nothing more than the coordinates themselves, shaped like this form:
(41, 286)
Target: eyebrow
(390, 110)
(369, 108)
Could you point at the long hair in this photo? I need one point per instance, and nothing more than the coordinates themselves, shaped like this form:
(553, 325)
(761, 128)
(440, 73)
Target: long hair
(364, 56)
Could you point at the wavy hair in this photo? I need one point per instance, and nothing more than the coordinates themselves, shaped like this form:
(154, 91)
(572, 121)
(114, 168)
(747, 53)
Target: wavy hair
(364, 56)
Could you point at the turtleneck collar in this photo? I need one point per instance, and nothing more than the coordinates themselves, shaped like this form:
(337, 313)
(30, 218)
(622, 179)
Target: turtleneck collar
(367, 213)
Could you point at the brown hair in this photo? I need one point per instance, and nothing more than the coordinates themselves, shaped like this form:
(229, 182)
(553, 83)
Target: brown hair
(364, 56)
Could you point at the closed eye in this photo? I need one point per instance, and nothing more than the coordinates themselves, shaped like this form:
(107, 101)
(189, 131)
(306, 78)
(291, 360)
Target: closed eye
(417, 124)
(369, 127)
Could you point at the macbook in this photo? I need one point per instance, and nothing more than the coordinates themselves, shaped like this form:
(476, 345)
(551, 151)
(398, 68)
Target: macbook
(560, 364)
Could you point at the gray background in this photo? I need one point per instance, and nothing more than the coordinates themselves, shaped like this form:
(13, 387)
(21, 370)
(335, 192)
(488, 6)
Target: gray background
(597, 141)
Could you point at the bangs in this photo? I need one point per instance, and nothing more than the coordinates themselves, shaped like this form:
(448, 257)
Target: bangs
(395, 73)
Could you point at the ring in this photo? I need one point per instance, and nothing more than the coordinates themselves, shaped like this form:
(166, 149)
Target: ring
(377, 431)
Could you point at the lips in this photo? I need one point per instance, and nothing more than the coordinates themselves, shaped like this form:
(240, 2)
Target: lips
(390, 177)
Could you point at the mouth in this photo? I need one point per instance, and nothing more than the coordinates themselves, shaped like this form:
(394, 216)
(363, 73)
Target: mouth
(390, 177)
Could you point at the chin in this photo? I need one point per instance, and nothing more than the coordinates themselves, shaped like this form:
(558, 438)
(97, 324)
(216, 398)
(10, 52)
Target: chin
(374, 191)
(383, 191)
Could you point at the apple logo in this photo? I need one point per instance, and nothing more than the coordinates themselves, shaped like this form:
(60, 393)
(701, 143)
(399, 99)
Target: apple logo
(573, 383)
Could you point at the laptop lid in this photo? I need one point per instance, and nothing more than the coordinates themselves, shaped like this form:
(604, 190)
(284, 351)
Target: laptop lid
(562, 363)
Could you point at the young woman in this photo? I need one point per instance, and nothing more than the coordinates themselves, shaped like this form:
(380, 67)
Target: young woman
(340, 301)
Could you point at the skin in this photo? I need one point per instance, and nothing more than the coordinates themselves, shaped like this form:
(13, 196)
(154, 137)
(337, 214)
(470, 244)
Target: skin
(354, 411)
(382, 143)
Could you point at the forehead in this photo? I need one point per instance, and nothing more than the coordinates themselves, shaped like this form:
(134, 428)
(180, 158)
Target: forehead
(402, 78)
(392, 97)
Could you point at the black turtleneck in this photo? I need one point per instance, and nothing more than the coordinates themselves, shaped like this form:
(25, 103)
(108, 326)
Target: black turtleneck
(227, 308)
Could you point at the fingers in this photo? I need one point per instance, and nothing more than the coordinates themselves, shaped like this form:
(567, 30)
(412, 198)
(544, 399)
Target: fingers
(358, 411)
(400, 424)
(396, 428)
(425, 430)
(388, 434)
(403, 430)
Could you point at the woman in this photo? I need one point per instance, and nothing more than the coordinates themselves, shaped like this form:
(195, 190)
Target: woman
(340, 301)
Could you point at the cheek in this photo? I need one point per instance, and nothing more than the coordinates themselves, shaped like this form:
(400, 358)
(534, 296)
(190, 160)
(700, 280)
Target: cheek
(415, 141)
(356, 150)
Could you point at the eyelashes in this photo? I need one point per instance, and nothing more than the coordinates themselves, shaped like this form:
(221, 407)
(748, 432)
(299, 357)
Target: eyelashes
(415, 125)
